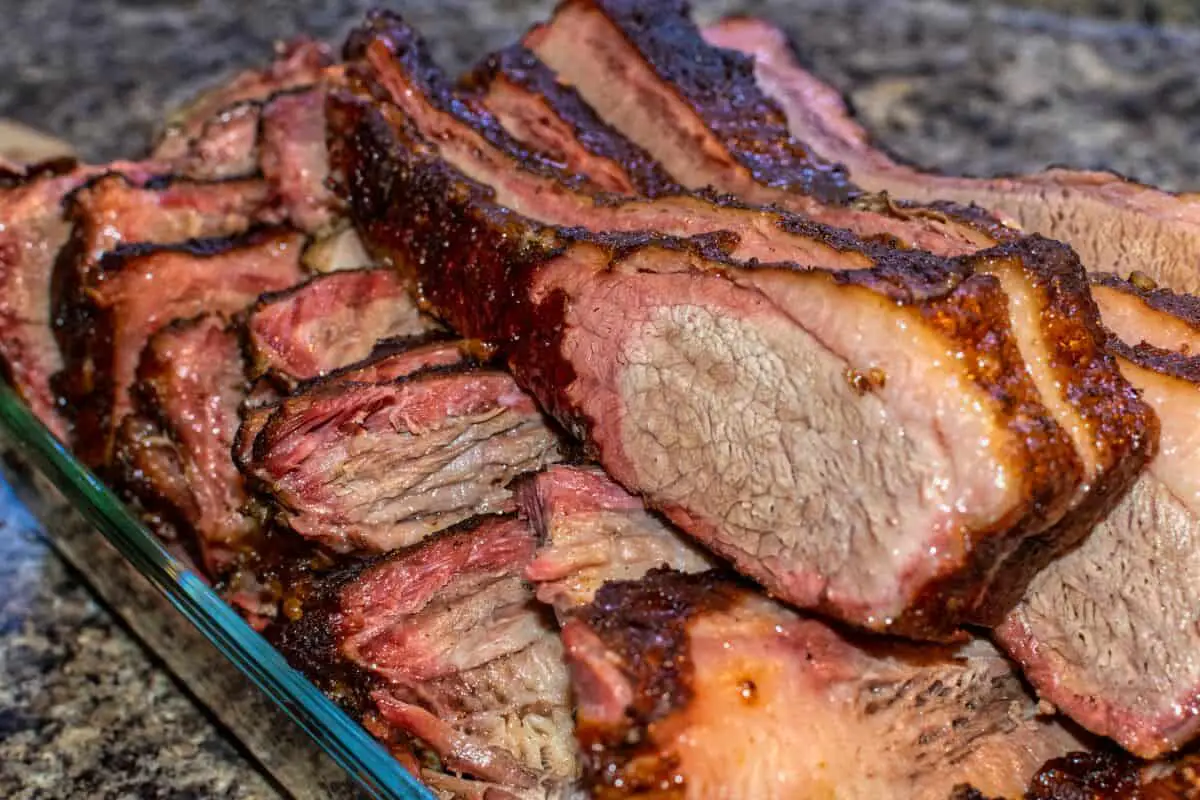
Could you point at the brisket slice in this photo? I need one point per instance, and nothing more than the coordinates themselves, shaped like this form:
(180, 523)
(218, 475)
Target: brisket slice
(328, 322)
(755, 405)
(591, 531)
(227, 146)
(114, 209)
(294, 161)
(543, 113)
(458, 654)
(393, 60)
(1058, 333)
(700, 684)
(1109, 776)
(376, 467)
(1127, 306)
(190, 381)
(1109, 632)
(298, 63)
(646, 70)
(1116, 225)
(140, 288)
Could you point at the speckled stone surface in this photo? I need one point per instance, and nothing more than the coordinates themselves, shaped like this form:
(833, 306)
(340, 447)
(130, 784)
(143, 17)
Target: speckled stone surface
(961, 86)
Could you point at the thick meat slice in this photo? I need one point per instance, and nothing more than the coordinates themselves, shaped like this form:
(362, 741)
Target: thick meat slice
(1138, 311)
(1114, 224)
(298, 63)
(141, 288)
(591, 531)
(294, 161)
(646, 71)
(755, 405)
(543, 113)
(1109, 632)
(148, 471)
(190, 379)
(698, 684)
(376, 467)
(1058, 333)
(328, 322)
(113, 210)
(227, 146)
(461, 655)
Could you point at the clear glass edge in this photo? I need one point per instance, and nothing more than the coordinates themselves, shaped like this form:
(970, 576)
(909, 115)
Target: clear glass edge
(351, 747)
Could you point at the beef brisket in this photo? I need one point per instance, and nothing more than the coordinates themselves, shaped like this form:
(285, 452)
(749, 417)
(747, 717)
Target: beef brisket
(1116, 225)
(376, 467)
(227, 146)
(1107, 632)
(690, 686)
(545, 114)
(751, 403)
(590, 532)
(1137, 310)
(328, 322)
(190, 380)
(646, 71)
(294, 161)
(113, 210)
(298, 63)
(460, 656)
(140, 288)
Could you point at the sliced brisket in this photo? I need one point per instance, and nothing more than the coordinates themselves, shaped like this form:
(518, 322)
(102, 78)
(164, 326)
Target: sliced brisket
(113, 210)
(646, 70)
(1116, 225)
(1137, 310)
(227, 147)
(755, 405)
(1109, 632)
(543, 113)
(376, 467)
(190, 380)
(328, 322)
(459, 655)
(298, 63)
(294, 162)
(690, 686)
(140, 288)
(590, 532)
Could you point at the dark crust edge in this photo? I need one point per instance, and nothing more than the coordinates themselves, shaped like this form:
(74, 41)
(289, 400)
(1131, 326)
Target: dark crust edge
(1123, 427)
(644, 625)
(720, 87)
(1184, 307)
(472, 248)
(1165, 362)
(523, 69)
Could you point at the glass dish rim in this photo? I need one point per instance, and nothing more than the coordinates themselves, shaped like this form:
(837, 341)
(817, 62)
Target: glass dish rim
(362, 758)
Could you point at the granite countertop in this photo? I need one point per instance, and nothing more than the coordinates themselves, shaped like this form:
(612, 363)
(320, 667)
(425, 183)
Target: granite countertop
(980, 88)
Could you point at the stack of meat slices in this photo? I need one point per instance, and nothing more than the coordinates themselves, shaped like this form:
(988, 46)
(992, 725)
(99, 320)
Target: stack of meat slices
(743, 481)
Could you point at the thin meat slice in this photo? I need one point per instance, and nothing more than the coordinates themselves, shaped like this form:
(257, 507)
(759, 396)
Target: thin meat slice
(543, 113)
(591, 531)
(328, 322)
(190, 380)
(458, 655)
(1108, 632)
(298, 63)
(756, 405)
(1129, 305)
(141, 288)
(115, 209)
(646, 70)
(1059, 336)
(294, 162)
(1115, 224)
(699, 684)
(376, 467)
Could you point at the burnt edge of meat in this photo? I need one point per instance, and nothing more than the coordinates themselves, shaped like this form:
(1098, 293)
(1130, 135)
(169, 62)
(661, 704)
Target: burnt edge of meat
(390, 177)
(408, 47)
(750, 122)
(391, 346)
(644, 623)
(93, 416)
(14, 175)
(1182, 306)
(1166, 362)
(1118, 420)
(520, 66)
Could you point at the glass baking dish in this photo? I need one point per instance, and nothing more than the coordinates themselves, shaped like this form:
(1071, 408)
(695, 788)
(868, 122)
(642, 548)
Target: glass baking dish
(364, 760)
